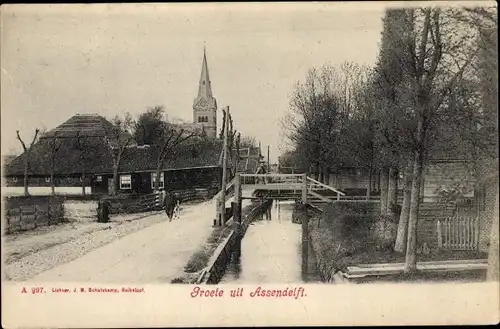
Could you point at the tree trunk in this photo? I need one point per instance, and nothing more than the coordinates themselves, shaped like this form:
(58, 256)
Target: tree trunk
(320, 173)
(493, 253)
(316, 171)
(392, 191)
(422, 183)
(400, 245)
(326, 173)
(384, 186)
(411, 247)
(156, 185)
(52, 184)
(26, 192)
(83, 183)
(369, 187)
(114, 181)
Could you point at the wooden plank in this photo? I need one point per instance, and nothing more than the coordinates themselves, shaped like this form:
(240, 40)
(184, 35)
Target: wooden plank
(421, 266)
(322, 198)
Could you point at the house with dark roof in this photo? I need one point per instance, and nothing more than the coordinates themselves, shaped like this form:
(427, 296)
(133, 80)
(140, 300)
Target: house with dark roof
(249, 159)
(8, 158)
(84, 158)
(449, 167)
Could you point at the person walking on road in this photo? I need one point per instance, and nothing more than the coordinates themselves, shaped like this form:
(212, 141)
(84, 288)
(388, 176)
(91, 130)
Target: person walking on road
(169, 203)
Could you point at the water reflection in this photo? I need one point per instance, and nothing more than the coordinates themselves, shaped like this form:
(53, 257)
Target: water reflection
(270, 250)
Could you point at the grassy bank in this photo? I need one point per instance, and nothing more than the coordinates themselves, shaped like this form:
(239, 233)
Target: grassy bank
(342, 236)
(199, 260)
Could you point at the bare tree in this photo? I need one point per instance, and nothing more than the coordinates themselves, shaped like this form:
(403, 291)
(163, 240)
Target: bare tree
(55, 144)
(432, 83)
(424, 56)
(82, 145)
(169, 139)
(118, 138)
(27, 152)
(248, 141)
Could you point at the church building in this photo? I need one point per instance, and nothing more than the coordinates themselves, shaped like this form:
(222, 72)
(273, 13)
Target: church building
(205, 104)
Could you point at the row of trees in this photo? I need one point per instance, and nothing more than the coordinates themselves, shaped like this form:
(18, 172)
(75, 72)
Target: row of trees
(150, 128)
(435, 74)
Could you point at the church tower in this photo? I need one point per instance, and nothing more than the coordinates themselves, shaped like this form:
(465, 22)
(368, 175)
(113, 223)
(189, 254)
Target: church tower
(205, 105)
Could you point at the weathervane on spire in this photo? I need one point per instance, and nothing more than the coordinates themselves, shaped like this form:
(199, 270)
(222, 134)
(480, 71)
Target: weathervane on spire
(204, 47)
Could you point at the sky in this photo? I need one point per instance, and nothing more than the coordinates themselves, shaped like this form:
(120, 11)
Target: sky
(60, 60)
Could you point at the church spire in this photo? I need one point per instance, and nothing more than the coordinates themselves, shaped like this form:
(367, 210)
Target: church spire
(205, 87)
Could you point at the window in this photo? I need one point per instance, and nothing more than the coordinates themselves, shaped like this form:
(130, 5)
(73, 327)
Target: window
(98, 179)
(125, 182)
(47, 179)
(162, 180)
(199, 119)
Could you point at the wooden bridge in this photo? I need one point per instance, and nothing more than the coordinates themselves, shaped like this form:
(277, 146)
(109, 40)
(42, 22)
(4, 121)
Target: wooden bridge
(272, 186)
(289, 187)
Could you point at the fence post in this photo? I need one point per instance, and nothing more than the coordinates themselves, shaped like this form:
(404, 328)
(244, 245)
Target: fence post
(468, 235)
(304, 188)
(34, 215)
(217, 211)
(447, 235)
(305, 237)
(8, 222)
(21, 217)
(440, 238)
(476, 233)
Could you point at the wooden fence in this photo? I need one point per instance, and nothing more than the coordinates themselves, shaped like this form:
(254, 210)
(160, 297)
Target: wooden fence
(133, 204)
(30, 216)
(458, 233)
(151, 201)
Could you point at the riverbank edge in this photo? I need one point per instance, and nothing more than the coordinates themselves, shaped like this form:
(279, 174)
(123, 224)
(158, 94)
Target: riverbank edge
(217, 264)
(317, 241)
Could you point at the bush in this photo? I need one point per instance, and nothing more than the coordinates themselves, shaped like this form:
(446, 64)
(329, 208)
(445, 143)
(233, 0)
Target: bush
(177, 280)
(384, 232)
(349, 224)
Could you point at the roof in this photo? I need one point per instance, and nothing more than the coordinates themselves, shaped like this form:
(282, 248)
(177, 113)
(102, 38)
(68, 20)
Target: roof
(202, 153)
(205, 85)
(86, 125)
(249, 159)
(8, 158)
(99, 160)
(205, 97)
(94, 155)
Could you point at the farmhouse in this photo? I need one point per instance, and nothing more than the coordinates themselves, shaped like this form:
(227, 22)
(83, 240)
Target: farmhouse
(84, 159)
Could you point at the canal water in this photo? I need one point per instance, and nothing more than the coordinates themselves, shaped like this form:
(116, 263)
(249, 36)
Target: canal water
(271, 251)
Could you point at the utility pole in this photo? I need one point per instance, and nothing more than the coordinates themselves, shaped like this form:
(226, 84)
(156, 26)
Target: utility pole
(268, 161)
(224, 173)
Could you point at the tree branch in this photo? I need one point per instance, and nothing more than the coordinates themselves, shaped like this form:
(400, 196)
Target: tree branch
(22, 143)
(423, 44)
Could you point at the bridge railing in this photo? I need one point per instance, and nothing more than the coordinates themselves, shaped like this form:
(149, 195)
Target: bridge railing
(314, 185)
(277, 180)
(229, 188)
